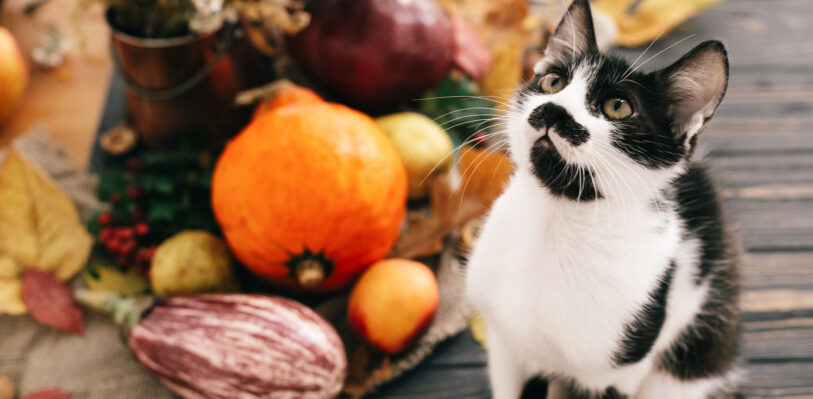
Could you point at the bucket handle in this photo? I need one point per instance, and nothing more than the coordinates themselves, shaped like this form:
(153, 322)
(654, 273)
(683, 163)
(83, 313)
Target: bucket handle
(222, 45)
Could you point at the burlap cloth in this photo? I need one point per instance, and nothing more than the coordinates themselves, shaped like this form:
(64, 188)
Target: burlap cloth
(98, 365)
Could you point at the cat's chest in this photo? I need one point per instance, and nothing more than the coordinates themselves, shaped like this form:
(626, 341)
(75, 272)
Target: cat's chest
(562, 292)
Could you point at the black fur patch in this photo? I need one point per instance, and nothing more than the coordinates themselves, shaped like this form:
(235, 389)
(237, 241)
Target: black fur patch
(702, 213)
(576, 392)
(646, 136)
(551, 116)
(560, 177)
(535, 388)
(640, 334)
(707, 347)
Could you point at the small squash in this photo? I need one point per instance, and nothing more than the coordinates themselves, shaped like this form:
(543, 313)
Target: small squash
(309, 193)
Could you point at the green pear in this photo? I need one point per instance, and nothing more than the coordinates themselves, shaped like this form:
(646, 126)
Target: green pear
(424, 148)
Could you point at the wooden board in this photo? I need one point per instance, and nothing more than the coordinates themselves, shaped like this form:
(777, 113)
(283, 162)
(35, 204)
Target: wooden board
(66, 101)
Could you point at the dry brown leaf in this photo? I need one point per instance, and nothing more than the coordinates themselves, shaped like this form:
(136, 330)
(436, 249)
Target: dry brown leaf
(484, 175)
(448, 212)
(367, 369)
(39, 227)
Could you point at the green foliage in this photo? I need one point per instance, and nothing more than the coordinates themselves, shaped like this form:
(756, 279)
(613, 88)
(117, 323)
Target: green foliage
(457, 106)
(151, 18)
(144, 18)
(159, 192)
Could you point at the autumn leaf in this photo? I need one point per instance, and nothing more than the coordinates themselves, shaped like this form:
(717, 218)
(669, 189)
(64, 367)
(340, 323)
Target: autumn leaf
(11, 301)
(484, 175)
(507, 28)
(48, 394)
(477, 325)
(649, 18)
(39, 228)
(50, 302)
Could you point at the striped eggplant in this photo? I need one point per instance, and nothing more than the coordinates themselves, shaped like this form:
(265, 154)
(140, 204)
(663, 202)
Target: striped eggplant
(238, 346)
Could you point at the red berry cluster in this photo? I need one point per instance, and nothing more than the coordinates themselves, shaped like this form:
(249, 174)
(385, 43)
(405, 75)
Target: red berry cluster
(128, 244)
(125, 243)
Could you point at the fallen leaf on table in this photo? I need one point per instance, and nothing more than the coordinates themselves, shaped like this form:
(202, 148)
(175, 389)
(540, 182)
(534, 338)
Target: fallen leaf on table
(109, 278)
(11, 300)
(367, 369)
(477, 325)
(39, 228)
(483, 177)
(449, 211)
(48, 394)
(50, 302)
(649, 18)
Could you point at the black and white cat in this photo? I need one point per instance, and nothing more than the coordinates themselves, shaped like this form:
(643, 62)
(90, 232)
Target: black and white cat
(606, 266)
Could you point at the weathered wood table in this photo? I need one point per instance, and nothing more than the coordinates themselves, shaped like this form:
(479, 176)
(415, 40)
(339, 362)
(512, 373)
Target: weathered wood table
(760, 145)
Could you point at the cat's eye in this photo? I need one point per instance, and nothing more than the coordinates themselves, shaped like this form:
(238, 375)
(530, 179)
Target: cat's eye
(617, 108)
(552, 83)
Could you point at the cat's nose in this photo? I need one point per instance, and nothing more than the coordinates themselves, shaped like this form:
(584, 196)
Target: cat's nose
(546, 115)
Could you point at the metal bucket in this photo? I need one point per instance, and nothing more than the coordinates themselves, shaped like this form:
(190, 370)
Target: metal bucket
(183, 88)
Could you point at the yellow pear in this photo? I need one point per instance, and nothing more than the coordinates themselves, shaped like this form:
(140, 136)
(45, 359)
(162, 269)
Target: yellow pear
(424, 148)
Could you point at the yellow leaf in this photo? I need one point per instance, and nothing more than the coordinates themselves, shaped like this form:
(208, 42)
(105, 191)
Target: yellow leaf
(8, 267)
(111, 279)
(506, 71)
(650, 17)
(477, 325)
(11, 301)
(39, 227)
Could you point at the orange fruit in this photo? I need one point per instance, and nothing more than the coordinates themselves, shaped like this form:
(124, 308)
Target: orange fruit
(393, 303)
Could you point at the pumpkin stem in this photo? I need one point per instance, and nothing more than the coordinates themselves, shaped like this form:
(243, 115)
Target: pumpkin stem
(261, 93)
(310, 273)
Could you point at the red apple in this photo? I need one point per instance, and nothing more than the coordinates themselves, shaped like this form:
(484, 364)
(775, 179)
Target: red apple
(376, 53)
(393, 303)
(13, 74)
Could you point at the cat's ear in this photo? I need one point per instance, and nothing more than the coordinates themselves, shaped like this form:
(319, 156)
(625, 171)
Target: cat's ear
(694, 87)
(575, 35)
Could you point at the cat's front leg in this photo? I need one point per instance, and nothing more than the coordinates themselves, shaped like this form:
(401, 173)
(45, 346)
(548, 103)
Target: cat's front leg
(504, 369)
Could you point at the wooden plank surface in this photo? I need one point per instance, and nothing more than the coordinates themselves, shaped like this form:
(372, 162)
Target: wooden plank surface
(67, 101)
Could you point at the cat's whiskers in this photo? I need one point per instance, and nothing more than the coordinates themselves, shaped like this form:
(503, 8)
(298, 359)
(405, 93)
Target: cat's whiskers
(621, 162)
(487, 98)
(463, 109)
(657, 54)
(466, 119)
(645, 50)
(485, 154)
(454, 150)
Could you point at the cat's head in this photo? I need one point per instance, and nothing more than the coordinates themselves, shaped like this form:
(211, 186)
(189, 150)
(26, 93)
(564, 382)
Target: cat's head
(589, 125)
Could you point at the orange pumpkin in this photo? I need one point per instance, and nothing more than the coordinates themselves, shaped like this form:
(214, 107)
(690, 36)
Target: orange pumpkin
(286, 95)
(309, 193)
